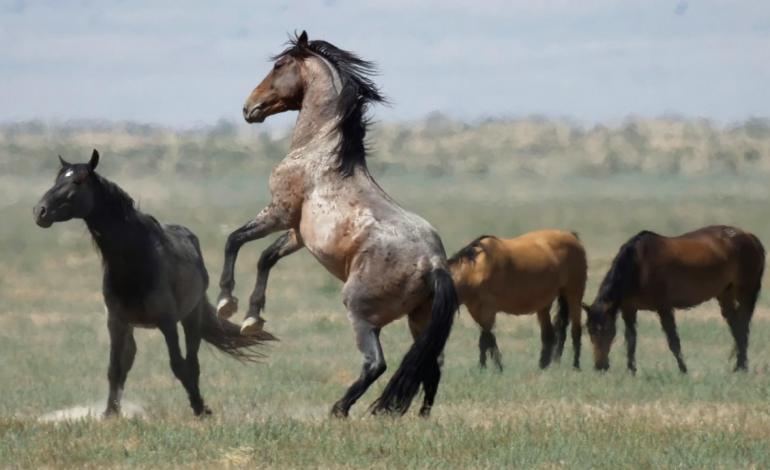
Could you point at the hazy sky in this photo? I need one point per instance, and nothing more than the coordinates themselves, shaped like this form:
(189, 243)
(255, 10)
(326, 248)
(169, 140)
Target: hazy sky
(184, 62)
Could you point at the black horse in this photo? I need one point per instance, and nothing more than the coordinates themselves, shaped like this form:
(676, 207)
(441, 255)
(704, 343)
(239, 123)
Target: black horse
(154, 277)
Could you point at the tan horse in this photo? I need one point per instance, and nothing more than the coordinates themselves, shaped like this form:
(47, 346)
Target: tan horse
(391, 261)
(657, 273)
(519, 277)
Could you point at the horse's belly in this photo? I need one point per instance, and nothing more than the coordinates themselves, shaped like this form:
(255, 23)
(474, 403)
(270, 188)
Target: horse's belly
(689, 294)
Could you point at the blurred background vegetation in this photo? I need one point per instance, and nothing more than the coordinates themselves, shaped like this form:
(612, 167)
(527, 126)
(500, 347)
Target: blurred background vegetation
(437, 145)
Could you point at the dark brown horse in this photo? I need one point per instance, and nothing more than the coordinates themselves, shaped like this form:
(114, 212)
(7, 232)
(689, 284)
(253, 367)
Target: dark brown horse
(154, 277)
(522, 276)
(391, 261)
(657, 273)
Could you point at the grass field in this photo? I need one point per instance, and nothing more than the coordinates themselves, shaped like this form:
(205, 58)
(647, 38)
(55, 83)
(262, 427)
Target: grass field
(54, 344)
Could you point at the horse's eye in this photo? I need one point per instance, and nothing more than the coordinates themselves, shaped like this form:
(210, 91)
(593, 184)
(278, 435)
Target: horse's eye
(277, 66)
(76, 182)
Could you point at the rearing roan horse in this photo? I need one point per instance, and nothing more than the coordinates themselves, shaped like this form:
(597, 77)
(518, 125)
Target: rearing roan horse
(391, 261)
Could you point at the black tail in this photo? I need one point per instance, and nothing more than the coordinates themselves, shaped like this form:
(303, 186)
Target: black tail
(226, 336)
(758, 286)
(560, 325)
(424, 353)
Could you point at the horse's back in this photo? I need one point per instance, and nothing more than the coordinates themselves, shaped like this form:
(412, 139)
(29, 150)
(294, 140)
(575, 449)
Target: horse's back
(524, 274)
(700, 265)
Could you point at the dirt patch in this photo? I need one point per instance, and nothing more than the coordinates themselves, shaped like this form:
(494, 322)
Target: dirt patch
(93, 411)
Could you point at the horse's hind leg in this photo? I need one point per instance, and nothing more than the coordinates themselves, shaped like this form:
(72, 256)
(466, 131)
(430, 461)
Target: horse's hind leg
(547, 336)
(738, 310)
(192, 337)
(120, 352)
(668, 323)
(368, 342)
(179, 365)
(487, 339)
(629, 318)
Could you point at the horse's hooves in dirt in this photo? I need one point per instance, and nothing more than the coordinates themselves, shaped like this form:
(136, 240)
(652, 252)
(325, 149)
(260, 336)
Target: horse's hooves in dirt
(227, 307)
(338, 411)
(252, 326)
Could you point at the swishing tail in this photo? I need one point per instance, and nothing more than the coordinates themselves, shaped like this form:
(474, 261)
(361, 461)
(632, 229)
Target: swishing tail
(424, 353)
(758, 286)
(226, 336)
(560, 325)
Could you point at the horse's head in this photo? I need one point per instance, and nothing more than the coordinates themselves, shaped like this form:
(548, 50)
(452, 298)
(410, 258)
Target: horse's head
(602, 317)
(72, 195)
(281, 90)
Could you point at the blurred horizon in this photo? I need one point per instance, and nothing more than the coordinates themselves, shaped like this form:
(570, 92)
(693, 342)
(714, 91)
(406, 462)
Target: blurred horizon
(192, 63)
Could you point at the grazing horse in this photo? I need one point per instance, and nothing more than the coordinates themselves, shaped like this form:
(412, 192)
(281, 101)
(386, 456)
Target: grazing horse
(391, 261)
(154, 277)
(519, 277)
(657, 273)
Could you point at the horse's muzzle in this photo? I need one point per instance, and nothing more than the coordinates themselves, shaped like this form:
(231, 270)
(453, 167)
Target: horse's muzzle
(40, 212)
(254, 113)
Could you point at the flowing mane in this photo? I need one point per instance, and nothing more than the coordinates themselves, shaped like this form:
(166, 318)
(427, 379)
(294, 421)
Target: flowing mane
(469, 252)
(624, 272)
(125, 238)
(358, 92)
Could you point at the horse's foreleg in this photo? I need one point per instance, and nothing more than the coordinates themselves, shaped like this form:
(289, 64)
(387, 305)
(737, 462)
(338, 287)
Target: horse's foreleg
(179, 366)
(287, 244)
(118, 334)
(668, 323)
(270, 220)
(629, 318)
(368, 342)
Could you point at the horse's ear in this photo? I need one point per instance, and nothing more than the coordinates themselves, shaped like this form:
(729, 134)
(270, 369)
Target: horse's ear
(64, 163)
(302, 40)
(94, 161)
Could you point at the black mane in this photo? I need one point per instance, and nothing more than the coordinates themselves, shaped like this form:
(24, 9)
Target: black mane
(623, 275)
(126, 240)
(358, 92)
(469, 252)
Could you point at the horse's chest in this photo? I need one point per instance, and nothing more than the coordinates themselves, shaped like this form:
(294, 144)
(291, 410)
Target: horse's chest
(333, 237)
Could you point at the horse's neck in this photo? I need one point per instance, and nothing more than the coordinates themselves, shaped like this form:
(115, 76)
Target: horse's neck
(315, 132)
(123, 241)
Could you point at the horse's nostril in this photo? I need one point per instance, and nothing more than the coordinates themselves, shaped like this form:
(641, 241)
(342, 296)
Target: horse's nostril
(42, 210)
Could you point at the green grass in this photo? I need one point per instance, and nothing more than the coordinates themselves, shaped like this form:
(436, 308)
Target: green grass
(54, 344)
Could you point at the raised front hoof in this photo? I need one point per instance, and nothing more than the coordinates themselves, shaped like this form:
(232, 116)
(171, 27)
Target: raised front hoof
(226, 307)
(338, 411)
(683, 369)
(252, 326)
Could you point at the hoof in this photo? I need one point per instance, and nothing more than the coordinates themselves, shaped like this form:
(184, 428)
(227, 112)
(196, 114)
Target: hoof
(110, 414)
(338, 411)
(204, 413)
(227, 307)
(252, 326)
